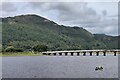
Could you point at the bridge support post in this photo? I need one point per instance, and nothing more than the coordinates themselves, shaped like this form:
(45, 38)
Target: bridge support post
(66, 53)
(115, 53)
(90, 53)
(71, 53)
(84, 53)
(49, 53)
(60, 54)
(97, 53)
(54, 54)
(78, 53)
(44, 54)
(104, 53)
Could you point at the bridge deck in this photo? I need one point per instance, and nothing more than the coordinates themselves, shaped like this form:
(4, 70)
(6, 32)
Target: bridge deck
(83, 52)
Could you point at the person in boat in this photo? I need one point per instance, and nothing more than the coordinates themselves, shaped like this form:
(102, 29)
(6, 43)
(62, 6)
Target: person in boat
(99, 68)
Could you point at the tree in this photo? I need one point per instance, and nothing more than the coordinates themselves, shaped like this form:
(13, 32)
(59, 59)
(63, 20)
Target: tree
(12, 49)
(40, 48)
(18, 50)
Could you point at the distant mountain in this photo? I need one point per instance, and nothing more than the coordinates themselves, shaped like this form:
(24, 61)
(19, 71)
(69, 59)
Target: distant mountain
(25, 31)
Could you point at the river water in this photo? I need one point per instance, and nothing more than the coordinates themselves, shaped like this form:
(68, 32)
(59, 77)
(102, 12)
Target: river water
(60, 67)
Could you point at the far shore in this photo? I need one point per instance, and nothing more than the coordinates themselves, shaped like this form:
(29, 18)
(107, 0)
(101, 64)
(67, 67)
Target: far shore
(12, 54)
(7, 54)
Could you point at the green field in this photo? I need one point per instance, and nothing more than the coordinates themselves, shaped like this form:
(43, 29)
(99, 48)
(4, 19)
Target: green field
(20, 54)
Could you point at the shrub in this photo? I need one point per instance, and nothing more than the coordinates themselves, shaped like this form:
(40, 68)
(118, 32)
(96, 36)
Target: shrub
(40, 48)
(18, 50)
(12, 49)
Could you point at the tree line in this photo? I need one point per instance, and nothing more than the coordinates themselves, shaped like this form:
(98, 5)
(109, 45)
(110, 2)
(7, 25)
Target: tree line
(36, 48)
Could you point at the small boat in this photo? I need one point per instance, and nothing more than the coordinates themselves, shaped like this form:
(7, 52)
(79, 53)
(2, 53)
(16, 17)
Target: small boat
(99, 68)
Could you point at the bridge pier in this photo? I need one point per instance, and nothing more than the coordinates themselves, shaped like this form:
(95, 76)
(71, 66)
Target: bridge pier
(97, 53)
(115, 53)
(90, 53)
(78, 53)
(49, 53)
(54, 54)
(72, 53)
(60, 54)
(84, 53)
(66, 53)
(104, 53)
(44, 54)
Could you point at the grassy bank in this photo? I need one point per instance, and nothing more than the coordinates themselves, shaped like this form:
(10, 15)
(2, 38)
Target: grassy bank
(20, 54)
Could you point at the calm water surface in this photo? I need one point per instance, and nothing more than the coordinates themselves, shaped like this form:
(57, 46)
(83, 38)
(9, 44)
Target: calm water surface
(60, 67)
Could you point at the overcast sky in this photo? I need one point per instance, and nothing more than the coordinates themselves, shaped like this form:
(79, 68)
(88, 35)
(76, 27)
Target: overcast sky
(96, 17)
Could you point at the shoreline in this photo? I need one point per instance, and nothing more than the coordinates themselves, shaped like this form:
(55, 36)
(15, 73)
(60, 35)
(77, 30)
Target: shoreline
(11, 54)
(19, 54)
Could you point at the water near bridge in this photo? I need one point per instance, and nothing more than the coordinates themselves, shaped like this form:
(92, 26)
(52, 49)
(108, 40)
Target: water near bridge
(60, 67)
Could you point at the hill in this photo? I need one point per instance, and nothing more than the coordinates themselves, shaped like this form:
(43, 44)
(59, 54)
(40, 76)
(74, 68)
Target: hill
(26, 31)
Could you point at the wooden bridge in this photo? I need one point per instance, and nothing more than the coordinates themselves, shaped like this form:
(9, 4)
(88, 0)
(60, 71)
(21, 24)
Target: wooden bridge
(82, 53)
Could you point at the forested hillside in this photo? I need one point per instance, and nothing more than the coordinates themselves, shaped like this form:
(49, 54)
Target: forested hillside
(26, 31)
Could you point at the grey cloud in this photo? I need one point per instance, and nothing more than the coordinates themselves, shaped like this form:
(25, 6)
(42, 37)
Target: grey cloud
(106, 30)
(8, 7)
(104, 13)
(80, 14)
(72, 12)
(106, 26)
(109, 22)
